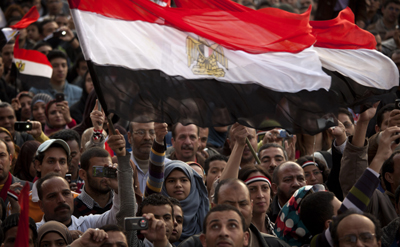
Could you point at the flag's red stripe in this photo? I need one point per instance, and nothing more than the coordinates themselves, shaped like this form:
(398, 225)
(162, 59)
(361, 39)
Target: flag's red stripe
(30, 17)
(22, 238)
(249, 31)
(342, 33)
(30, 55)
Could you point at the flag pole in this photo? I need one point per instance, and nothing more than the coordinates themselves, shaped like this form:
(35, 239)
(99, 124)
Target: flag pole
(97, 88)
(252, 151)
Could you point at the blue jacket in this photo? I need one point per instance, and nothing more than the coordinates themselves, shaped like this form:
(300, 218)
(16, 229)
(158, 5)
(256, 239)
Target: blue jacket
(71, 92)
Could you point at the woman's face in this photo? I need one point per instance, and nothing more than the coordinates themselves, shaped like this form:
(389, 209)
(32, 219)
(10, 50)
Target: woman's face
(260, 194)
(52, 239)
(38, 112)
(313, 175)
(9, 141)
(177, 185)
(56, 118)
(88, 83)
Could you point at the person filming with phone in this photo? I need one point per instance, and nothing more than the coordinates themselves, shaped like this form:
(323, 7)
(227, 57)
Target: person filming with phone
(58, 116)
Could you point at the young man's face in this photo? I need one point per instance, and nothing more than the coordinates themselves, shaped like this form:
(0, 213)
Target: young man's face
(224, 229)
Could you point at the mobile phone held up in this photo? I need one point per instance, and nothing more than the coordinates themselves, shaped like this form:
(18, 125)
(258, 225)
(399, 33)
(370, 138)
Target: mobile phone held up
(136, 223)
(60, 97)
(22, 126)
(104, 172)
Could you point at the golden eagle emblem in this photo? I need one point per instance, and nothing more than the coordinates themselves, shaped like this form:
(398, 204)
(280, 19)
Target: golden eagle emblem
(20, 66)
(205, 57)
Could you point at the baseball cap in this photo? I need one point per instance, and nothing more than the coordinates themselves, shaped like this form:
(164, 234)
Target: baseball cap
(47, 144)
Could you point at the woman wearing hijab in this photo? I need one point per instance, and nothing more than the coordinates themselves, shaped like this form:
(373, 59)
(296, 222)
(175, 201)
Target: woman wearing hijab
(57, 117)
(38, 107)
(53, 233)
(186, 185)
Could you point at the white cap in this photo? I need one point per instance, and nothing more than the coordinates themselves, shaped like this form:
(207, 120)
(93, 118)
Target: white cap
(47, 144)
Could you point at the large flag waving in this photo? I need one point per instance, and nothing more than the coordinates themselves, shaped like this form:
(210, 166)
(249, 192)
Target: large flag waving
(204, 66)
(33, 66)
(8, 33)
(359, 72)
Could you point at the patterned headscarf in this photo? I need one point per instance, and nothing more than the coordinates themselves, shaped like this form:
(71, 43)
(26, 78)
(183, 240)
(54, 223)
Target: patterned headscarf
(288, 225)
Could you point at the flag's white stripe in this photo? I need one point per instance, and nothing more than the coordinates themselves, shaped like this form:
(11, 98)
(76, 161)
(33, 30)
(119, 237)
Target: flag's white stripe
(367, 67)
(33, 68)
(142, 45)
(9, 33)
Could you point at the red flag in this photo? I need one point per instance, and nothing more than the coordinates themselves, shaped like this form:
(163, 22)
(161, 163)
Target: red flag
(30, 17)
(23, 224)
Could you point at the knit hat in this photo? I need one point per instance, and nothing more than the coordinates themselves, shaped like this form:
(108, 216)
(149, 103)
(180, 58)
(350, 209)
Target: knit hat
(41, 97)
(57, 227)
(13, 220)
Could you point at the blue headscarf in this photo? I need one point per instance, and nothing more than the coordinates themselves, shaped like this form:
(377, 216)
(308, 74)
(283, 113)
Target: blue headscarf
(195, 206)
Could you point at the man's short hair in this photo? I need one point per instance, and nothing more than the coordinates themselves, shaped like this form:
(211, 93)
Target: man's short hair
(67, 135)
(90, 153)
(111, 228)
(40, 44)
(42, 23)
(4, 104)
(339, 218)
(272, 145)
(379, 116)
(388, 167)
(228, 181)
(7, 147)
(44, 179)
(13, 220)
(173, 130)
(316, 209)
(387, 2)
(224, 208)
(345, 111)
(213, 158)
(154, 200)
(56, 54)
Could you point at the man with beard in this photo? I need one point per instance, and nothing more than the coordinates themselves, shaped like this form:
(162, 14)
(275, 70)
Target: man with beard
(96, 196)
(247, 156)
(286, 179)
(185, 140)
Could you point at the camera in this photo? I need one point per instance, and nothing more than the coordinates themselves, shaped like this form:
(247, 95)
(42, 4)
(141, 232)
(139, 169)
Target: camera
(284, 134)
(60, 97)
(136, 223)
(22, 126)
(104, 172)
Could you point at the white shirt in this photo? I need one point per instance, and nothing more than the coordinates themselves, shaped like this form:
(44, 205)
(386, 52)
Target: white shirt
(92, 221)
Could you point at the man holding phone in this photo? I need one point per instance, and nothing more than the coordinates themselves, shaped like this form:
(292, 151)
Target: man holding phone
(96, 196)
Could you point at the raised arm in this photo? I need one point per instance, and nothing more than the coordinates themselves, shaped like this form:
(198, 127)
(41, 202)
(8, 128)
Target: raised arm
(156, 162)
(355, 158)
(238, 134)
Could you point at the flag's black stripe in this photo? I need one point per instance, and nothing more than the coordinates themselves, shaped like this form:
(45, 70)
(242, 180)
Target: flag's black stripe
(138, 96)
(38, 82)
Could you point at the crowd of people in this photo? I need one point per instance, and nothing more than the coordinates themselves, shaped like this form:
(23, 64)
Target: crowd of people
(189, 185)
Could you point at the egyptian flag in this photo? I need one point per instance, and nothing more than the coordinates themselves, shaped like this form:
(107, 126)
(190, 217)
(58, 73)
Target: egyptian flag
(360, 74)
(9, 32)
(33, 66)
(209, 67)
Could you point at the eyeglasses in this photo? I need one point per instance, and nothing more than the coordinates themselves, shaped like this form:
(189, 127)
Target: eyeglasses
(141, 133)
(351, 239)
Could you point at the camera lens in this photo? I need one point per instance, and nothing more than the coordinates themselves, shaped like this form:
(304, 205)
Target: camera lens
(142, 223)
